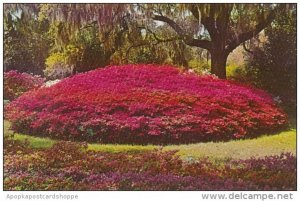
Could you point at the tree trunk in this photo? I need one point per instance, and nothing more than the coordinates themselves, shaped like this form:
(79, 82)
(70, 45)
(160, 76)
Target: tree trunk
(218, 63)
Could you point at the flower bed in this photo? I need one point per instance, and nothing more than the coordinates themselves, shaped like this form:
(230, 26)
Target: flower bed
(15, 84)
(70, 166)
(145, 104)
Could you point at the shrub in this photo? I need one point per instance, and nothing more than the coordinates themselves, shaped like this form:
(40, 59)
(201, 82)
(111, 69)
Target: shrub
(273, 67)
(238, 74)
(199, 66)
(15, 84)
(278, 170)
(145, 104)
(57, 66)
(70, 166)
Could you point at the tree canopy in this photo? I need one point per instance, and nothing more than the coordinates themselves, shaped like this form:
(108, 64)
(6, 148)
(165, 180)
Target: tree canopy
(218, 28)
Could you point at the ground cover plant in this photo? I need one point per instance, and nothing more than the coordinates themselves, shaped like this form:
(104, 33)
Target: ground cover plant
(15, 84)
(70, 166)
(145, 104)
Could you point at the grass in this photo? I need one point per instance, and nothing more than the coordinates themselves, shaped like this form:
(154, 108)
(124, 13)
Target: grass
(241, 149)
(238, 149)
(35, 142)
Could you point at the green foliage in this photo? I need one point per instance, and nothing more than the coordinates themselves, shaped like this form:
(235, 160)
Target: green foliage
(26, 43)
(232, 70)
(273, 67)
(141, 46)
(147, 55)
(95, 35)
(90, 51)
(82, 52)
(199, 66)
(55, 58)
(237, 73)
(57, 66)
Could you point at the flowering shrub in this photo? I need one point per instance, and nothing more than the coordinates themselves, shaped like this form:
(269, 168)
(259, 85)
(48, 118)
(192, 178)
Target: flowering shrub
(15, 84)
(145, 104)
(70, 166)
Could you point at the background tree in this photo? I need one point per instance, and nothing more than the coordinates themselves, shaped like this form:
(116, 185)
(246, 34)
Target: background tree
(221, 27)
(218, 28)
(82, 52)
(142, 45)
(273, 67)
(77, 46)
(26, 43)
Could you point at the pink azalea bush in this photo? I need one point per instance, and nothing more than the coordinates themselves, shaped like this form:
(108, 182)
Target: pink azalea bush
(15, 84)
(145, 104)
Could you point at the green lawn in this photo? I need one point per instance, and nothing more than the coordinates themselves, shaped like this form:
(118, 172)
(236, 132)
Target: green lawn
(238, 149)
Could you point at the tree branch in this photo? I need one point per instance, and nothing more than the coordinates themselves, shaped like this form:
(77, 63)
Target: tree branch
(89, 25)
(134, 46)
(243, 37)
(246, 49)
(160, 40)
(189, 40)
(171, 23)
(147, 43)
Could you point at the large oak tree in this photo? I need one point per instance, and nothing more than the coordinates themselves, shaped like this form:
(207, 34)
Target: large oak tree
(218, 28)
(225, 26)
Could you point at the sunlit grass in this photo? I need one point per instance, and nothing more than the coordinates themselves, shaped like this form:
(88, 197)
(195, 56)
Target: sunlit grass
(241, 149)
(238, 149)
(35, 142)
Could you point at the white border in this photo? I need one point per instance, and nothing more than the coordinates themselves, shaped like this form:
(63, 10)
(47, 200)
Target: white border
(129, 195)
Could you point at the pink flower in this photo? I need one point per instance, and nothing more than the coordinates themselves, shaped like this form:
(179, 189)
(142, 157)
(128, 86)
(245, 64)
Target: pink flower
(138, 103)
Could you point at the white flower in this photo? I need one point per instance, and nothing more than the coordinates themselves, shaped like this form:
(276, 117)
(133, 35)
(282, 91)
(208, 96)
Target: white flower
(51, 82)
(206, 72)
(277, 99)
(191, 71)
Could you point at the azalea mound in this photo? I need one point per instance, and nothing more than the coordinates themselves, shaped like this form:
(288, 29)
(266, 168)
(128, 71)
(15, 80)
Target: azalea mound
(15, 84)
(145, 104)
